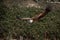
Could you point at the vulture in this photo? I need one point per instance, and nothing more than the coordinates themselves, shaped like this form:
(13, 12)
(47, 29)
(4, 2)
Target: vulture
(38, 16)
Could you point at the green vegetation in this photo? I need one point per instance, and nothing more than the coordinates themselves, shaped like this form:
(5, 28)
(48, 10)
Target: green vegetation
(50, 23)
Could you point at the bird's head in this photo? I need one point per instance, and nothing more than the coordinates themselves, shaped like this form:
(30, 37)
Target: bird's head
(31, 20)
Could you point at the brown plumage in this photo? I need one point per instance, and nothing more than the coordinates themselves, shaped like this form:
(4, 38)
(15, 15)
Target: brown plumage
(40, 15)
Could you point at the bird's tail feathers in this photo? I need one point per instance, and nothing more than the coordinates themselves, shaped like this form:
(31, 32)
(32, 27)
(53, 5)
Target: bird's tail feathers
(18, 17)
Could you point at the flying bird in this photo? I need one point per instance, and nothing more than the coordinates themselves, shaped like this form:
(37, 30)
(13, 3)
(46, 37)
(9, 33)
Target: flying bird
(38, 16)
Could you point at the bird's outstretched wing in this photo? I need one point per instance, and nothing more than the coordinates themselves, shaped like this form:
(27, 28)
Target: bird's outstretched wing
(40, 15)
(23, 18)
